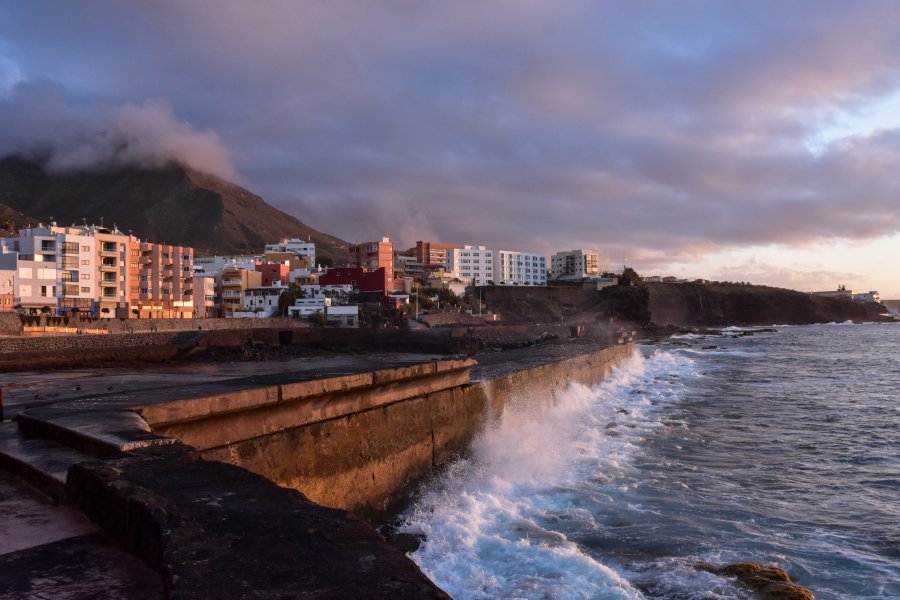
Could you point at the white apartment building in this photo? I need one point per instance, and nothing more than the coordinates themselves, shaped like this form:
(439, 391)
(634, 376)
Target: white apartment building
(520, 268)
(473, 264)
(574, 265)
(477, 266)
(295, 247)
(62, 268)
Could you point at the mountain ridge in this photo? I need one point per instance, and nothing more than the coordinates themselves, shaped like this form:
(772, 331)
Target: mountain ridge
(174, 204)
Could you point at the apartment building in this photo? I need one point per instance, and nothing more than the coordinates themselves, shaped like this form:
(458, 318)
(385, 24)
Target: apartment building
(66, 268)
(574, 265)
(235, 282)
(371, 256)
(432, 254)
(161, 280)
(204, 296)
(472, 264)
(476, 265)
(408, 266)
(519, 268)
(293, 249)
(7, 281)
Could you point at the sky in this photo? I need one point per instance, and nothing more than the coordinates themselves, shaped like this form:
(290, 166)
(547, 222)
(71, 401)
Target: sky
(741, 141)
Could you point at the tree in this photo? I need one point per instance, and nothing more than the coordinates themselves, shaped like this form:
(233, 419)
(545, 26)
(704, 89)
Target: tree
(324, 261)
(136, 312)
(317, 319)
(630, 277)
(105, 311)
(286, 299)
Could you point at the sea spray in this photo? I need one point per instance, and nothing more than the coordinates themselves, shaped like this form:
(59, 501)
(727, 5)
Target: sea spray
(501, 523)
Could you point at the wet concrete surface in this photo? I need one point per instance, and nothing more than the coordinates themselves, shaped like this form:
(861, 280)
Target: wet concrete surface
(135, 386)
(54, 552)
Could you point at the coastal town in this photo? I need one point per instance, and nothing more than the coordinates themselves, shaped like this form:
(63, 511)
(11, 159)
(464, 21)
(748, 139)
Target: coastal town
(102, 272)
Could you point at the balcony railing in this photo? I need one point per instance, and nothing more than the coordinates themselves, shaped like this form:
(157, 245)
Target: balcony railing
(109, 267)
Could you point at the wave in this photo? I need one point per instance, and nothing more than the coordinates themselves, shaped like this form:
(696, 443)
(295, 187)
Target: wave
(501, 523)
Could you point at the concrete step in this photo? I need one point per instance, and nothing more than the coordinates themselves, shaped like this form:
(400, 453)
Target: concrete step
(100, 434)
(41, 463)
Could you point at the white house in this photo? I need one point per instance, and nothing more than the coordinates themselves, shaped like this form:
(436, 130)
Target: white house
(263, 300)
(342, 316)
(303, 307)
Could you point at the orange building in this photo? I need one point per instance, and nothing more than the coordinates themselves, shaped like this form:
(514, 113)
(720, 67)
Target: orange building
(431, 254)
(371, 256)
(160, 280)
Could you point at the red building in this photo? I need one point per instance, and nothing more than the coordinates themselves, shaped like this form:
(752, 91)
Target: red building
(272, 272)
(360, 279)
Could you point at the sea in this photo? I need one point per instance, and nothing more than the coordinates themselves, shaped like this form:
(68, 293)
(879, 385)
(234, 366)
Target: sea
(779, 446)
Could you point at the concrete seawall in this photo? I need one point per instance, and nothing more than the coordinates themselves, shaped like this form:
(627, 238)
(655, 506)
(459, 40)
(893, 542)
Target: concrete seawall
(359, 441)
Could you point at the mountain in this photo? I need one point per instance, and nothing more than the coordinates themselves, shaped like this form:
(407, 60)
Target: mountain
(12, 220)
(174, 205)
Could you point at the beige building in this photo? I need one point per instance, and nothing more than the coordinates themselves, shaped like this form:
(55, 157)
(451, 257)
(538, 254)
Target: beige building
(574, 265)
(235, 283)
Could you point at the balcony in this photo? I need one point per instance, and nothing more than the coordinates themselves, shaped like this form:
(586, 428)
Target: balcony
(109, 268)
(231, 282)
(168, 273)
(230, 294)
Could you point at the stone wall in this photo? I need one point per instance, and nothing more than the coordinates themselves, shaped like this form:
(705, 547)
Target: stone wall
(10, 324)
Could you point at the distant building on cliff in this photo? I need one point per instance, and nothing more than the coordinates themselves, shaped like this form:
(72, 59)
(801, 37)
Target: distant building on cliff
(574, 265)
(476, 265)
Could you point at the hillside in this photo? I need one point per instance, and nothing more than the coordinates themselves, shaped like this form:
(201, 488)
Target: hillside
(175, 205)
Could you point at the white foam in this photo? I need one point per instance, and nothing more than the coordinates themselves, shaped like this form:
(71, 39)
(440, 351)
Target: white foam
(489, 520)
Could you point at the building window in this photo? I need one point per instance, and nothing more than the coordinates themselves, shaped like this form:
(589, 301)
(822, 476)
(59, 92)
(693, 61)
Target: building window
(85, 276)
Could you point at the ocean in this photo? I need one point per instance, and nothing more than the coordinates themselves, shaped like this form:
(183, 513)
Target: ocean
(778, 447)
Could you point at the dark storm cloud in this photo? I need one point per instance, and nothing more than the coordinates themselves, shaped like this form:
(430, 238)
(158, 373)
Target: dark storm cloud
(662, 129)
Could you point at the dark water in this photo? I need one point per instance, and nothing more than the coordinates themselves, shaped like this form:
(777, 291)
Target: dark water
(781, 448)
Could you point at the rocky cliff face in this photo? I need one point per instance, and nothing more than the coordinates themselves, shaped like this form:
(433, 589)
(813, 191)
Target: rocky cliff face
(175, 205)
(687, 304)
(716, 305)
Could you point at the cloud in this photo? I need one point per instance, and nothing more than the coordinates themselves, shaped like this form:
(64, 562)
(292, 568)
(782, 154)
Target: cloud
(38, 119)
(645, 129)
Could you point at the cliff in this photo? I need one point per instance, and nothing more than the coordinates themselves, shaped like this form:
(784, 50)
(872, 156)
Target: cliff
(687, 304)
(174, 205)
(716, 305)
